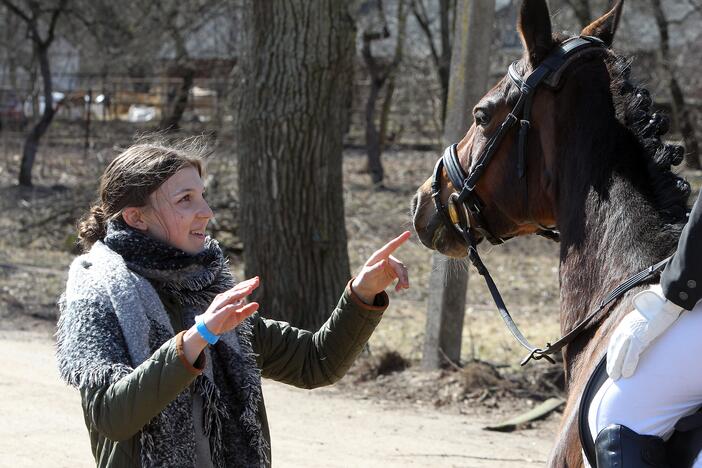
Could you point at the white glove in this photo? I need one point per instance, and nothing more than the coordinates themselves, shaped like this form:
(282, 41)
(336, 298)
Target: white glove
(651, 317)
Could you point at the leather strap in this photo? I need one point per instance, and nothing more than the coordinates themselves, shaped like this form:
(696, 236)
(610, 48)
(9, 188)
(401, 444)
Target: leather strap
(616, 293)
(545, 352)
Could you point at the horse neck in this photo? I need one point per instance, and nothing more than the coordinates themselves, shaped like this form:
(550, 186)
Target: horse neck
(609, 228)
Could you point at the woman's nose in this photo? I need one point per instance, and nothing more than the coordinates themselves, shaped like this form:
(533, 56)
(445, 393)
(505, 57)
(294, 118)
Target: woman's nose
(206, 211)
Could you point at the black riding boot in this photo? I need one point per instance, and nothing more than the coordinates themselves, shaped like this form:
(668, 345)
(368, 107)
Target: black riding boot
(619, 447)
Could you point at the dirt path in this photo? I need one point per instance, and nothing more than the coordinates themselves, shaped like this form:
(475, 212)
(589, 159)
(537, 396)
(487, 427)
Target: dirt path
(42, 424)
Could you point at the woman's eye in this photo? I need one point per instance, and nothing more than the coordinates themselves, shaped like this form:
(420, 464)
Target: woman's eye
(481, 117)
(185, 198)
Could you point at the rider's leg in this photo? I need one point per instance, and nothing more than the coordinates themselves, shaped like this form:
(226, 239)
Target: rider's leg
(618, 446)
(666, 386)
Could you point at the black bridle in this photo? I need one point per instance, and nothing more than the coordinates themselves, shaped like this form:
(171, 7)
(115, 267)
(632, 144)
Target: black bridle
(549, 73)
(466, 204)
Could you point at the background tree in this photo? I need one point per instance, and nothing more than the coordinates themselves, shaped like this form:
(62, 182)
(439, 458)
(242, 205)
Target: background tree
(582, 10)
(296, 65)
(179, 20)
(681, 112)
(440, 50)
(666, 68)
(380, 73)
(40, 20)
(448, 282)
(133, 36)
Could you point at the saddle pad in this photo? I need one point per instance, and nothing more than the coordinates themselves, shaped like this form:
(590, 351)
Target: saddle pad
(597, 379)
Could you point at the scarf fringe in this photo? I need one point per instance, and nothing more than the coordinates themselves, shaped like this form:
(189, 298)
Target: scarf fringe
(215, 414)
(252, 386)
(86, 375)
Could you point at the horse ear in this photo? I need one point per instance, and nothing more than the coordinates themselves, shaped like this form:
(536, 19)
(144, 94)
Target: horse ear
(534, 26)
(605, 26)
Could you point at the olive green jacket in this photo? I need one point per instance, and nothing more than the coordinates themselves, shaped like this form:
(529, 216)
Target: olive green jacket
(114, 414)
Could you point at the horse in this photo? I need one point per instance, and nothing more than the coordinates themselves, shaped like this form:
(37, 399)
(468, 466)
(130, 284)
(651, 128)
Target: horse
(588, 161)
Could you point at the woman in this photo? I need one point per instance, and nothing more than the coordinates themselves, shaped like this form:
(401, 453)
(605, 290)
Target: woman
(163, 345)
(633, 411)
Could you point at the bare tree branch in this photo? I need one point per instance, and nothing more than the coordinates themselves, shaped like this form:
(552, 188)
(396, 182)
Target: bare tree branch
(696, 6)
(581, 9)
(680, 110)
(16, 10)
(52, 23)
(420, 13)
(695, 10)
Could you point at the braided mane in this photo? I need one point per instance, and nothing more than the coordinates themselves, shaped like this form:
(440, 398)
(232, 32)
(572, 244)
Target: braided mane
(633, 107)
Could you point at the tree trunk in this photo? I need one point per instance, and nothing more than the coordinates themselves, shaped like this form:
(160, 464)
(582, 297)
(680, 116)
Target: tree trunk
(380, 74)
(692, 149)
(385, 108)
(442, 56)
(392, 74)
(297, 71)
(170, 122)
(469, 72)
(444, 68)
(31, 143)
(375, 166)
(680, 111)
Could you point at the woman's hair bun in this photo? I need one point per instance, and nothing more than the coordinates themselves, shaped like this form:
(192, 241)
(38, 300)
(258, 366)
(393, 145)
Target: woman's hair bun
(92, 227)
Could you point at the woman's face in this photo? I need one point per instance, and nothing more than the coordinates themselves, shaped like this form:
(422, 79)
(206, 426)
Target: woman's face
(177, 213)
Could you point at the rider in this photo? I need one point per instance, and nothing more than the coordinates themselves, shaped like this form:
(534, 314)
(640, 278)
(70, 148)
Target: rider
(633, 412)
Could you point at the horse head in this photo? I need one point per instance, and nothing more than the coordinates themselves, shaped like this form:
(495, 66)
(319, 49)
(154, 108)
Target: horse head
(517, 190)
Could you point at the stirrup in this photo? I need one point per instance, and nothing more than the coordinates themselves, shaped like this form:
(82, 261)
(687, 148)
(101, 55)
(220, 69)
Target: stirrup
(618, 446)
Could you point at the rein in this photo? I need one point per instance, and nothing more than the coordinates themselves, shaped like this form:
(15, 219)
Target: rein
(466, 204)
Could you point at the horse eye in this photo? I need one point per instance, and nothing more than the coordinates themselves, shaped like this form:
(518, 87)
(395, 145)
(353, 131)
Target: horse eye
(481, 117)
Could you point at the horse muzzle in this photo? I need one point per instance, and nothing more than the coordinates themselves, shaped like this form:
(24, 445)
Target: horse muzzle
(431, 229)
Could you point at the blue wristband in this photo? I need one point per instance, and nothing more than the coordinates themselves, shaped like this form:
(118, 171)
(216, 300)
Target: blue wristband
(210, 337)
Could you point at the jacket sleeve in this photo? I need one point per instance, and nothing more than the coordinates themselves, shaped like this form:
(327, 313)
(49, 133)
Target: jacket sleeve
(121, 409)
(682, 278)
(309, 360)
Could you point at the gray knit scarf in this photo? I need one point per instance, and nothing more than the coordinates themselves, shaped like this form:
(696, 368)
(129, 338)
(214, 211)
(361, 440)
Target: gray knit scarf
(112, 320)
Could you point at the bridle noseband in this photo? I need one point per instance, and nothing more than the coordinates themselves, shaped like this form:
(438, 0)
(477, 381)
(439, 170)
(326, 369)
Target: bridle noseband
(465, 203)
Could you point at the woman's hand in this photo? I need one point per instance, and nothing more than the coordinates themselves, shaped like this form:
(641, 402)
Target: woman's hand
(380, 270)
(227, 310)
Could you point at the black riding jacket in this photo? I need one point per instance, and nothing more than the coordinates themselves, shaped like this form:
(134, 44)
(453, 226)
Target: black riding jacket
(682, 278)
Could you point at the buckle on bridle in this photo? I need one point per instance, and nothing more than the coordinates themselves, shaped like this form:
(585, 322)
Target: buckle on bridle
(458, 213)
(537, 354)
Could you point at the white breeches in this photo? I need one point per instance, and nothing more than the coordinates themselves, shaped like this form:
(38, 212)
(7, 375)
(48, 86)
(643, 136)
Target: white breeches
(666, 385)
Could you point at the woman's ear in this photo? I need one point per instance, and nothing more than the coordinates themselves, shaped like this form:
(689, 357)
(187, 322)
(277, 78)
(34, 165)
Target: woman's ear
(134, 217)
